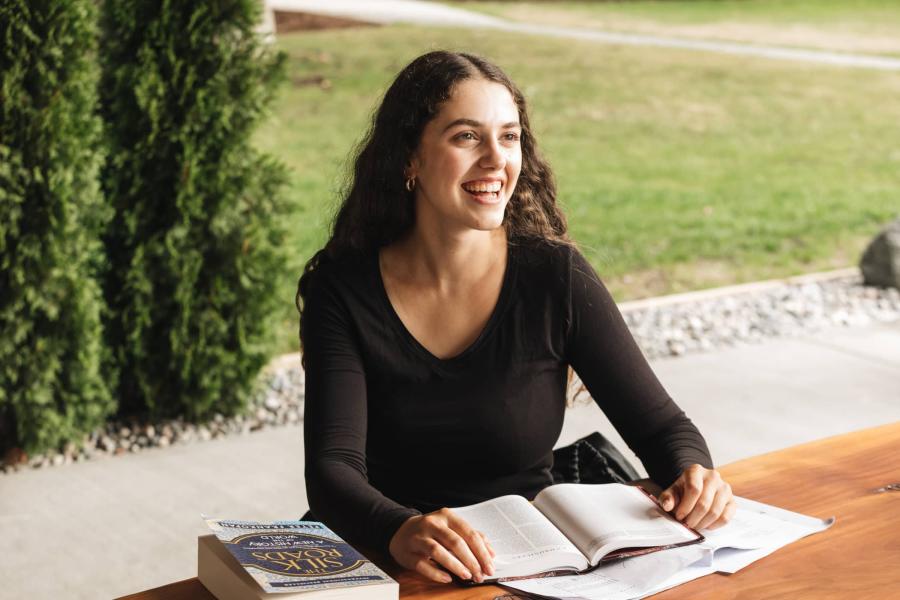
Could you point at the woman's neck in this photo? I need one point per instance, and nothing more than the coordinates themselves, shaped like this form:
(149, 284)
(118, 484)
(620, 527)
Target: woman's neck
(448, 262)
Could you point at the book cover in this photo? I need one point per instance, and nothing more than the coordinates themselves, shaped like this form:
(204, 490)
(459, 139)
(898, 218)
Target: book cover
(295, 556)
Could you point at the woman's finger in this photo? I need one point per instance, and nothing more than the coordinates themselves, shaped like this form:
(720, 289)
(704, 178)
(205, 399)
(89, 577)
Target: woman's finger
(476, 546)
(490, 548)
(703, 504)
(691, 488)
(478, 543)
(723, 496)
(670, 498)
(456, 547)
(727, 515)
(447, 559)
(427, 568)
(469, 547)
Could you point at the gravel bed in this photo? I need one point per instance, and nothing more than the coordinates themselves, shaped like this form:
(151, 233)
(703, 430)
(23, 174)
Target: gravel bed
(786, 310)
(672, 329)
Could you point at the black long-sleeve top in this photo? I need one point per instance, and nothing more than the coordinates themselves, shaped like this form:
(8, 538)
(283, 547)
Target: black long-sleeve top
(391, 431)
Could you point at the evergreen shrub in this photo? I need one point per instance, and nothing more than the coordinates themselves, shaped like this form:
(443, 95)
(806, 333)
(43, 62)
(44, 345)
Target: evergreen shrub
(195, 241)
(51, 215)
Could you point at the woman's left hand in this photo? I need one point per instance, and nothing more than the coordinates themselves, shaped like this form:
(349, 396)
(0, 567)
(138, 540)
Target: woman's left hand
(699, 498)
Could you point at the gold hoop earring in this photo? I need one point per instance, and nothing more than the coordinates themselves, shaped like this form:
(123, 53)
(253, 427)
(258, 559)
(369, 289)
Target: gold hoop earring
(410, 184)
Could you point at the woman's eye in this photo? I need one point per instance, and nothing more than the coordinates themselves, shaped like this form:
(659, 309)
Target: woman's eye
(468, 136)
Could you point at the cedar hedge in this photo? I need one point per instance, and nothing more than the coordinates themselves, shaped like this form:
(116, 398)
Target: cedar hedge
(51, 214)
(154, 298)
(195, 241)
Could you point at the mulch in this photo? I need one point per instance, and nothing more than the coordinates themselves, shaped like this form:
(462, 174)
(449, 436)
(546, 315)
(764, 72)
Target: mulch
(287, 22)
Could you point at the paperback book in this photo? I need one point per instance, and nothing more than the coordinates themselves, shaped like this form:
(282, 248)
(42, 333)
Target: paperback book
(248, 559)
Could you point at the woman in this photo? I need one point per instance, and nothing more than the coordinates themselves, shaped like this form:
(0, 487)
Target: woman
(438, 325)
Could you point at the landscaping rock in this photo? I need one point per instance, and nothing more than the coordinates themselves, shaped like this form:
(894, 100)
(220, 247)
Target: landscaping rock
(880, 264)
(14, 458)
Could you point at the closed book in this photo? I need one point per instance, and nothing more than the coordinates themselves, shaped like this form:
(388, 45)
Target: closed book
(287, 559)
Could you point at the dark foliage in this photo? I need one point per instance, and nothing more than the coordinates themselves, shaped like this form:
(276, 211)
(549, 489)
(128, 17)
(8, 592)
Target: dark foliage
(195, 242)
(51, 216)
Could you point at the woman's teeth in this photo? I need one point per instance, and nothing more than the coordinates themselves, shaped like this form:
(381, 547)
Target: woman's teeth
(483, 187)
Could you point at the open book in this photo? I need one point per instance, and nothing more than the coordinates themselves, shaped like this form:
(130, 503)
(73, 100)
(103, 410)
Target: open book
(755, 531)
(572, 528)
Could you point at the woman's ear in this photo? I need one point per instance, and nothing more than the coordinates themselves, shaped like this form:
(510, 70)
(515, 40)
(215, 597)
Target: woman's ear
(412, 168)
(413, 164)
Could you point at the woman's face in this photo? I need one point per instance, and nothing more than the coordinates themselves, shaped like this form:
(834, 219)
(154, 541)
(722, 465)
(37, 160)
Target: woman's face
(469, 158)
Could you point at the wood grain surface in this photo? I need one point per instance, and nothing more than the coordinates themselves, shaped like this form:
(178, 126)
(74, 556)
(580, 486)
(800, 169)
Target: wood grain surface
(844, 477)
(847, 476)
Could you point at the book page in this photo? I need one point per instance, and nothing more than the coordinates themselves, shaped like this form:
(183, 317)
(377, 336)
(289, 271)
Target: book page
(525, 541)
(606, 517)
(618, 580)
(577, 587)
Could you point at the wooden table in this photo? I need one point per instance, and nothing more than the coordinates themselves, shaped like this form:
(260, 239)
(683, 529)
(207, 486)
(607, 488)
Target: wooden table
(847, 476)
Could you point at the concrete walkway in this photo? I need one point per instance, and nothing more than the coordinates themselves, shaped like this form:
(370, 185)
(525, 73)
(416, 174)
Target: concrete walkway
(435, 14)
(114, 526)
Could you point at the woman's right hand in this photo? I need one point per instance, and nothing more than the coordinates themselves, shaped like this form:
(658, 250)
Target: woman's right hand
(442, 539)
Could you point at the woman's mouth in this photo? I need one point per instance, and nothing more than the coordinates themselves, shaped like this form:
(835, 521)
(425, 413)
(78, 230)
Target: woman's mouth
(484, 192)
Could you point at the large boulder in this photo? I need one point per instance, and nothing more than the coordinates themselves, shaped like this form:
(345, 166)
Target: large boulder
(880, 264)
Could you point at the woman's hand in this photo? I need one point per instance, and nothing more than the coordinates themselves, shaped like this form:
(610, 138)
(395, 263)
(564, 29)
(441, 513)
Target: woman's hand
(442, 539)
(699, 498)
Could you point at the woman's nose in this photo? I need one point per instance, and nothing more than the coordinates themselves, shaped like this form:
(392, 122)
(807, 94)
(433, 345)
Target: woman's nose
(494, 156)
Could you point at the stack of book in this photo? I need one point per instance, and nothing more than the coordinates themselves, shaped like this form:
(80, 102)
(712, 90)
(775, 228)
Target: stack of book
(286, 559)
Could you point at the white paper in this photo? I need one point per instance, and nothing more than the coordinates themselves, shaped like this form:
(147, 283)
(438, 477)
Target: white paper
(689, 573)
(619, 580)
(756, 531)
(760, 528)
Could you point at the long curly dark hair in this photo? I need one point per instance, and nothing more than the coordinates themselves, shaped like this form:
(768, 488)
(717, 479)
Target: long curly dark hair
(378, 210)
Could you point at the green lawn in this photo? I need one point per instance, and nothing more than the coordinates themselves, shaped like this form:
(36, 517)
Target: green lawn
(866, 26)
(678, 170)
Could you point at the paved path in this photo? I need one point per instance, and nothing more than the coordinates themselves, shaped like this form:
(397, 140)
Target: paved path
(108, 527)
(432, 13)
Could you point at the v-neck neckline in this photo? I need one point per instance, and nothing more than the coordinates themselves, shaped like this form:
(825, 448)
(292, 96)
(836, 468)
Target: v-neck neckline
(487, 330)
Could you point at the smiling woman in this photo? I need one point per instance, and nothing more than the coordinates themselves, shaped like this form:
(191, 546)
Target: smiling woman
(444, 277)
(439, 323)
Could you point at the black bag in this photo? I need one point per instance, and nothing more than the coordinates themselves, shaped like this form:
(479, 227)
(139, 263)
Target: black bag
(592, 459)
